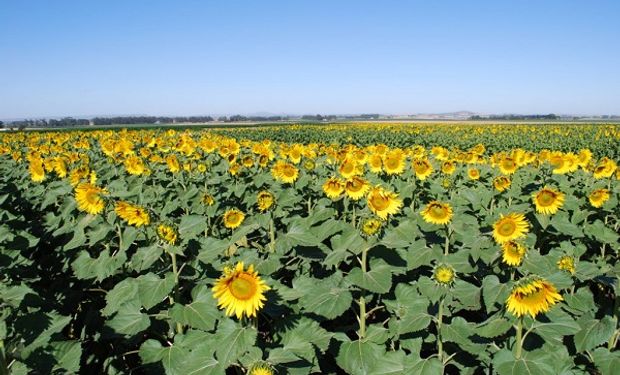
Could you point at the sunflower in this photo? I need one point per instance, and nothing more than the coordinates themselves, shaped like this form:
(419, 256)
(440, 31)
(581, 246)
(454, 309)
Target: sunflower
(173, 163)
(567, 263)
(510, 227)
(473, 173)
(375, 163)
(371, 226)
(598, 197)
(394, 162)
(513, 253)
(285, 172)
(448, 167)
(383, 203)
(333, 187)
(532, 296)
(422, 168)
(240, 292)
(261, 370)
(356, 187)
(501, 183)
(207, 199)
(134, 165)
(37, 172)
(167, 234)
(507, 165)
(444, 275)
(132, 214)
(233, 218)
(348, 168)
(264, 200)
(309, 165)
(605, 168)
(548, 201)
(437, 212)
(88, 198)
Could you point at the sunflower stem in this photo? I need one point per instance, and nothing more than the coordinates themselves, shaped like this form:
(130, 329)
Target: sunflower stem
(272, 234)
(439, 324)
(177, 298)
(447, 244)
(362, 302)
(519, 337)
(4, 370)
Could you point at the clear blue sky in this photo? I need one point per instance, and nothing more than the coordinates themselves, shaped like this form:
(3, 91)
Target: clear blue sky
(226, 57)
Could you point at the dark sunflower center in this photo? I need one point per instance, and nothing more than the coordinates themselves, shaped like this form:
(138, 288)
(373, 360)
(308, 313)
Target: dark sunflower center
(507, 228)
(380, 203)
(546, 198)
(438, 211)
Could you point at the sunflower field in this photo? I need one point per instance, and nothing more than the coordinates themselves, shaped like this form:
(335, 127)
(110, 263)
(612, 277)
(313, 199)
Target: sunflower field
(311, 249)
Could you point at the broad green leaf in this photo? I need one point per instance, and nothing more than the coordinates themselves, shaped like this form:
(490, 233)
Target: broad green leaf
(238, 340)
(377, 280)
(129, 320)
(594, 332)
(153, 290)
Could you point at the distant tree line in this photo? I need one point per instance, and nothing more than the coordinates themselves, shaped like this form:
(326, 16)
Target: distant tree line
(550, 116)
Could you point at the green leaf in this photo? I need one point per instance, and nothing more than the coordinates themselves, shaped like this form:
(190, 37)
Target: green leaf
(594, 332)
(144, 257)
(425, 366)
(85, 267)
(129, 320)
(325, 297)
(126, 290)
(467, 294)
(236, 341)
(153, 290)
(377, 280)
(357, 357)
(198, 314)
(67, 355)
(493, 327)
(458, 332)
(494, 293)
(560, 324)
(192, 225)
(607, 362)
(401, 236)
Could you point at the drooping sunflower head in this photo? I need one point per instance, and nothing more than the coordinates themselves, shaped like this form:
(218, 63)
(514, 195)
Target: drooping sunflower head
(501, 183)
(264, 200)
(356, 187)
(240, 291)
(333, 187)
(383, 203)
(548, 201)
(371, 226)
(513, 253)
(510, 227)
(473, 173)
(167, 234)
(132, 214)
(532, 295)
(444, 274)
(437, 212)
(233, 218)
(88, 198)
(567, 263)
(207, 199)
(422, 168)
(598, 197)
(37, 172)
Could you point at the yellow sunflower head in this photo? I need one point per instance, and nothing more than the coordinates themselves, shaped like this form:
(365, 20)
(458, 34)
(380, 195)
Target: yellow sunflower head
(261, 370)
(264, 200)
(383, 203)
(394, 162)
(473, 173)
(510, 227)
(88, 198)
(508, 165)
(437, 212)
(444, 275)
(598, 197)
(356, 187)
(285, 172)
(501, 183)
(240, 291)
(132, 214)
(371, 226)
(348, 168)
(513, 253)
(309, 165)
(37, 172)
(167, 234)
(532, 295)
(134, 165)
(548, 201)
(233, 218)
(567, 263)
(422, 168)
(375, 163)
(333, 188)
(448, 167)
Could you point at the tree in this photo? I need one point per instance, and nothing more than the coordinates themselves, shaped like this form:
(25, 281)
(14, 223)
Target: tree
(1, 125)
